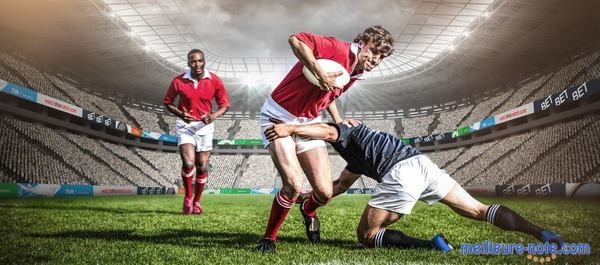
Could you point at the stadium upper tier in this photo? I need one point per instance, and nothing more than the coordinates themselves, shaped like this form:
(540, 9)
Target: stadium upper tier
(431, 29)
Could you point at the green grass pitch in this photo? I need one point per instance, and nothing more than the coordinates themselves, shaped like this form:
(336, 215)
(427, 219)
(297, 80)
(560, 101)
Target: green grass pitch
(152, 230)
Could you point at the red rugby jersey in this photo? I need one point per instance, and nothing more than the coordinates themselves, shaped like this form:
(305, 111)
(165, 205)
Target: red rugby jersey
(197, 99)
(299, 96)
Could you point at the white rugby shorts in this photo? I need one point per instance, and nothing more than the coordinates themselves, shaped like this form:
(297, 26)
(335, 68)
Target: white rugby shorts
(196, 133)
(273, 110)
(416, 178)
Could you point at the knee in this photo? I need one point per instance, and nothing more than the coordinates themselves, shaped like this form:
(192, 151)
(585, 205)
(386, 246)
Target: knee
(188, 164)
(201, 167)
(365, 237)
(323, 196)
(291, 191)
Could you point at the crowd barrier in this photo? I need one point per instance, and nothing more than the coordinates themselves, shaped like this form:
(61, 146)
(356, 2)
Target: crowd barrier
(27, 190)
(30, 190)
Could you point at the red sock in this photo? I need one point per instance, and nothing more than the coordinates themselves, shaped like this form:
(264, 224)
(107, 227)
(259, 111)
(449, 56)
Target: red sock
(279, 210)
(186, 176)
(200, 183)
(311, 204)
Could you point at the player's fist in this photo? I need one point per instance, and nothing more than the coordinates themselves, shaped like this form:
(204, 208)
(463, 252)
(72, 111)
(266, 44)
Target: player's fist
(327, 80)
(187, 117)
(278, 130)
(207, 118)
(351, 122)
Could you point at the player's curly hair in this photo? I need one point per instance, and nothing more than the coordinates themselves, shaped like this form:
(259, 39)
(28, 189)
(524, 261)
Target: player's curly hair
(192, 51)
(382, 39)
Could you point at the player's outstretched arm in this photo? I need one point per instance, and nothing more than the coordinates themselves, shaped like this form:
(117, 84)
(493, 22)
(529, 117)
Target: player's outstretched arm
(320, 131)
(344, 182)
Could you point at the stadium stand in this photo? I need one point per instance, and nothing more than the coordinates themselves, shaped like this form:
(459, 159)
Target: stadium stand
(467, 155)
(563, 77)
(147, 120)
(382, 125)
(500, 148)
(449, 120)
(134, 160)
(168, 164)
(483, 109)
(260, 173)
(34, 79)
(570, 161)
(222, 127)
(90, 101)
(6, 74)
(221, 172)
(30, 163)
(96, 150)
(97, 171)
(441, 158)
(249, 129)
(416, 126)
(589, 73)
(545, 141)
(517, 98)
(170, 121)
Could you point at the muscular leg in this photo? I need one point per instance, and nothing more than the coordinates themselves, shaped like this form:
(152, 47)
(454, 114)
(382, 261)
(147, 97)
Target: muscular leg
(283, 154)
(372, 231)
(201, 173)
(464, 204)
(315, 163)
(187, 154)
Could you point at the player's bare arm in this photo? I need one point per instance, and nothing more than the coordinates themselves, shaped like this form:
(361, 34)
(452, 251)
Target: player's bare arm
(207, 119)
(337, 118)
(321, 131)
(305, 55)
(335, 114)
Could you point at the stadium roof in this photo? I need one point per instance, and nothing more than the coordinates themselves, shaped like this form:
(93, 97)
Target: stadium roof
(430, 29)
(520, 37)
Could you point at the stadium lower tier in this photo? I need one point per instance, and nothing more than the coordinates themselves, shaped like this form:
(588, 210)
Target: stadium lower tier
(565, 152)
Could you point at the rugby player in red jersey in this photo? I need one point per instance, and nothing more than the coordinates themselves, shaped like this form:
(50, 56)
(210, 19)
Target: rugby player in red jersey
(297, 101)
(196, 89)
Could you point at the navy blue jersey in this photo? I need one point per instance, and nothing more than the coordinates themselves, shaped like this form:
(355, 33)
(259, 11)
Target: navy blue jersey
(369, 152)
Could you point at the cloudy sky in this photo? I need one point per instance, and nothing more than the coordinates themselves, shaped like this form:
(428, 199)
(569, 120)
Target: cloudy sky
(261, 28)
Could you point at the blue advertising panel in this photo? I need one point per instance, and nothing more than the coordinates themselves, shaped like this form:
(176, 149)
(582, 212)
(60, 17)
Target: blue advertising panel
(20, 92)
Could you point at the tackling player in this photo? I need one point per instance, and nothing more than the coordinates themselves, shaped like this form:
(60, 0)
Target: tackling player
(196, 89)
(404, 175)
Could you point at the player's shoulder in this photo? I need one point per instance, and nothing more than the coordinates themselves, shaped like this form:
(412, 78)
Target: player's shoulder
(216, 81)
(178, 78)
(322, 38)
(346, 129)
(214, 77)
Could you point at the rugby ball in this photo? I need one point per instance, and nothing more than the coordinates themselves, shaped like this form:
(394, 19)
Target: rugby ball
(328, 66)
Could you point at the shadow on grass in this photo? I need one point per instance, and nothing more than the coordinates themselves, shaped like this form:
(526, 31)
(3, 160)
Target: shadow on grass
(89, 208)
(189, 238)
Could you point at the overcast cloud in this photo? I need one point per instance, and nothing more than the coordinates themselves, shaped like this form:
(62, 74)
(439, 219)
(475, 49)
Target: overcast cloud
(261, 28)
